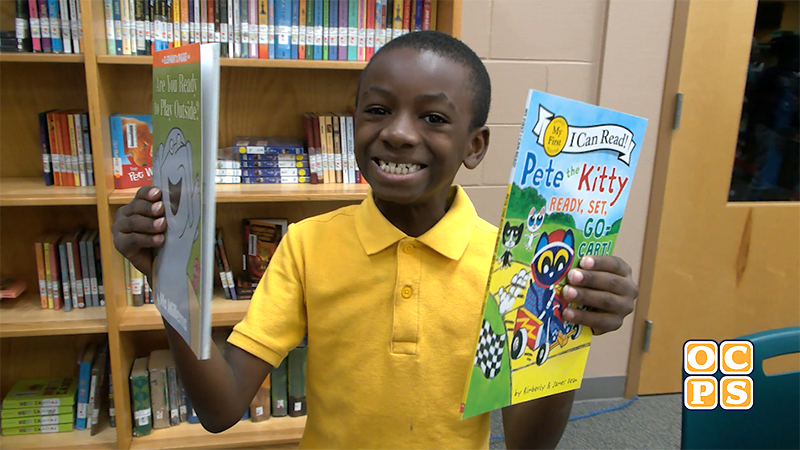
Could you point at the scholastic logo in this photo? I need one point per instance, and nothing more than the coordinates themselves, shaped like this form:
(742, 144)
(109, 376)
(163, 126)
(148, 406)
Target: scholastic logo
(702, 360)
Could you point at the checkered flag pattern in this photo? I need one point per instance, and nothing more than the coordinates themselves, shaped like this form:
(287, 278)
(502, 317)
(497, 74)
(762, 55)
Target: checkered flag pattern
(489, 356)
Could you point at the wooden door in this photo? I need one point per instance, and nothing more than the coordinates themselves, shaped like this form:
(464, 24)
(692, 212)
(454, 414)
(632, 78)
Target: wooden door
(713, 268)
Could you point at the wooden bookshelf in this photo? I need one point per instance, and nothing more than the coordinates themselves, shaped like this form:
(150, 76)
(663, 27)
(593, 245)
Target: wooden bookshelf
(74, 440)
(246, 62)
(33, 192)
(24, 316)
(36, 342)
(224, 312)
(271, 432)
(41, 58)
(260, 193)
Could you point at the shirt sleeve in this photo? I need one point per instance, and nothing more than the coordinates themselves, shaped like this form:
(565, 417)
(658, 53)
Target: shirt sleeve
(276, 321)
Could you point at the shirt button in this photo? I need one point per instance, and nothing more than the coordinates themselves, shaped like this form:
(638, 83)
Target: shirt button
(409, 248)
(406, 292)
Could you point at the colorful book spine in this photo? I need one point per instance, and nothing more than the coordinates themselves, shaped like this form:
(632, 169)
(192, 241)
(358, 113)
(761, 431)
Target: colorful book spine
(326, 32)
(380, 24)
(74, 22)
(228, 27)
(254, 28)
(407, 18)
(370, 45)
(271, 19)
(297, 381)
(318, 29)
(61, 250)
(108, 12)
(301, 32)
(419, 7)
(44, 26)
(295, 29)
(263, 29)
(66, 26)
(55, 26)
(283, 20)
(333, 33)
(309, 29)
(33, 19)
(362, 30)
(279, 387)
(352, 30)
(44, 142)
(343, 30)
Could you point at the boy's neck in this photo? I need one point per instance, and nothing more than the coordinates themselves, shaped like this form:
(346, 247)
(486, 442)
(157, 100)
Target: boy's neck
(414, 220)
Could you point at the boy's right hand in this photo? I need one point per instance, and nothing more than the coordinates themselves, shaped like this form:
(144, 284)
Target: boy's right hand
(139, 227)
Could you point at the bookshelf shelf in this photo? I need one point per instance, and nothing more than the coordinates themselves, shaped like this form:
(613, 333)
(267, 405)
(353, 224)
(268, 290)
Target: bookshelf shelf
(74, 440)
(40, 58)
(224, 312)
(24, 316)
(273, 431)
(33, 192)
(246, 62)
(245, 193)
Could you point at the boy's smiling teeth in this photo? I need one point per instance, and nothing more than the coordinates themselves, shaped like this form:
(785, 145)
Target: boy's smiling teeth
(397, 168)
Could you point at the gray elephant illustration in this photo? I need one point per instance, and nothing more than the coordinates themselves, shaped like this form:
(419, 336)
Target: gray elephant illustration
(173, 173)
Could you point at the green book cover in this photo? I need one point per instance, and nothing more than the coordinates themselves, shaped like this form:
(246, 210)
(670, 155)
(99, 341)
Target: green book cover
(352, 30)
(326, 35)
(185, 124)
(140, 398)
(30, 421)
(38, 429)
(297, 381)
(9, 413)
(310, 29)
(279, 388)
(42, 392)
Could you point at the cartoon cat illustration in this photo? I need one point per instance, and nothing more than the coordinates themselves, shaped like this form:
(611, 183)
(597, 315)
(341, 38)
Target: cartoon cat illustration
(535, 221)
(539, 323)
(511, 237)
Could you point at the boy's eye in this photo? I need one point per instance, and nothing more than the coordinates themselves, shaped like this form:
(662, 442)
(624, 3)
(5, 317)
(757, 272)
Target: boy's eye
(435, 118)
(376, 110)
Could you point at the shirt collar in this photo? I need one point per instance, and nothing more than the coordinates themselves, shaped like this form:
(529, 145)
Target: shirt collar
(449, 237)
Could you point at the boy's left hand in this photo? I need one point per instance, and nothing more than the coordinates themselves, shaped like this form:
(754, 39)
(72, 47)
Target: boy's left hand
(605, 286)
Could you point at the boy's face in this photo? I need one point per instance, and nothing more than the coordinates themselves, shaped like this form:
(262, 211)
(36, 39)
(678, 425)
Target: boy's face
(413, 126)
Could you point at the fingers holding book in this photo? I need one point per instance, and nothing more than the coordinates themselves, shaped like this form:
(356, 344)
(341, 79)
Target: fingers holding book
(139, 226)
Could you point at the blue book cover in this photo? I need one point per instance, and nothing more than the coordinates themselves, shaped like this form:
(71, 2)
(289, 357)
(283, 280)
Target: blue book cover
(271, 20)
(117, 27)
(418, 7)
(566, 196)
(295, 27)
(318, 9)
(333, 26)
(283, 22)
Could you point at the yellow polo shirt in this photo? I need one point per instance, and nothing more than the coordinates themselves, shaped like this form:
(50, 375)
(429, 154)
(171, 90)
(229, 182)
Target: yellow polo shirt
(391, 323)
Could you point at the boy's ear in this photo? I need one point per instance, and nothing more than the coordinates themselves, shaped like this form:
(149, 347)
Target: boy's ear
(478, 145)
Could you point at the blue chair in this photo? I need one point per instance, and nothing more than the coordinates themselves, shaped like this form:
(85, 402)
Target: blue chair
(774, 420)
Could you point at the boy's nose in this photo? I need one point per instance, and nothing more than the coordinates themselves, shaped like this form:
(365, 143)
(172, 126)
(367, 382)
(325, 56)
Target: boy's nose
(401, 132)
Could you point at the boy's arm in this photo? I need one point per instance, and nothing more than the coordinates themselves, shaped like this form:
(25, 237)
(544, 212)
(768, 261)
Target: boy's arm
(221, 387)
(538, 423)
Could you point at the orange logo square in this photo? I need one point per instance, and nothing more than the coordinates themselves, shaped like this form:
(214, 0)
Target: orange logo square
(736, 357)
(700, 357)
(736, 393)
(700, 392)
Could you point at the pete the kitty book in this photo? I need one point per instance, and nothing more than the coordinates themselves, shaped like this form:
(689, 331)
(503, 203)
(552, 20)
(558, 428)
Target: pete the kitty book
(185, 125)
(566, 196)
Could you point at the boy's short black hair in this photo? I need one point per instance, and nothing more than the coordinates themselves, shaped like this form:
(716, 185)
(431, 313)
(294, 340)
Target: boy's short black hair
(453, 49)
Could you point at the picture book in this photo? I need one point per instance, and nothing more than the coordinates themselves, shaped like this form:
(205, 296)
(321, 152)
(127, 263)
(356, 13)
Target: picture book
(185, 125)
(261, 237)
(566, 196)
(42, 392)
(132, 146)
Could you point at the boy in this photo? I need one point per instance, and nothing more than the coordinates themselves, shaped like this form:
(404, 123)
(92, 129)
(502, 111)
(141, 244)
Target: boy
(390, 291)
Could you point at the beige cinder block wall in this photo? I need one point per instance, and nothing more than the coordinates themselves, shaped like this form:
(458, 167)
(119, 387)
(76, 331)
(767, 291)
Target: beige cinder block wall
(607, 52)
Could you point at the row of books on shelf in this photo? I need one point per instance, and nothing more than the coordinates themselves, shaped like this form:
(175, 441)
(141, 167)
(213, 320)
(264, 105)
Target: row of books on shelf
(344, 30)
(48, 26)
(327, 156)
(54, 405)
(69, 270)
(159, 399)
(66, 148)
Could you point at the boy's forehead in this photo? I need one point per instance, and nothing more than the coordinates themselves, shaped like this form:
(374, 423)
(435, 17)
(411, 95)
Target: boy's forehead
(418, 70)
